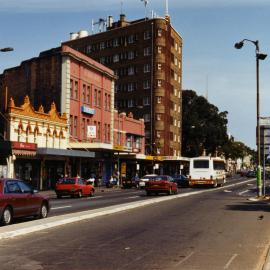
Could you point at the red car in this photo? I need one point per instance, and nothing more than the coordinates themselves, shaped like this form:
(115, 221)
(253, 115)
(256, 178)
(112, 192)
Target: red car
(161, 184)
(74, 187)
(18, 199)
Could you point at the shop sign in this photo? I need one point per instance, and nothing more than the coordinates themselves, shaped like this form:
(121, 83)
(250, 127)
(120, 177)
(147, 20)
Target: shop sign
(88, 110)
(91, 132)
(123, 169)
(118, 147)
(24, 146)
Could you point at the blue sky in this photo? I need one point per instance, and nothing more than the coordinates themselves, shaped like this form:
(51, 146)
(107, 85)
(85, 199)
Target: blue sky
(209, 29)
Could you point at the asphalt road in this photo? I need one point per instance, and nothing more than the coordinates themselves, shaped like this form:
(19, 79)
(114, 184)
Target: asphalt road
(220, 229)
(114, 197)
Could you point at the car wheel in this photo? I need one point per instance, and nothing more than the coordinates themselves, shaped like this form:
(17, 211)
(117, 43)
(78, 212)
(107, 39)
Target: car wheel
(43, 211)
(59, 196)
(91, 194)
(148, 193)
(170, 191)
(79, 194)
(215, 184)
(6, 218)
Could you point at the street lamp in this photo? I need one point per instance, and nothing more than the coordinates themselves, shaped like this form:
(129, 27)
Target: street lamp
(259, 56)
(7, 49)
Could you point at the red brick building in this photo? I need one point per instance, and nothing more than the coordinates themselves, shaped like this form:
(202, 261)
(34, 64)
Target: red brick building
(83, 89)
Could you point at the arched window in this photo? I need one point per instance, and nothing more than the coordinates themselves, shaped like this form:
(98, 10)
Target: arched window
(35, 134)
(27, 132)
(54, 136)
(48, 132)
(20, 130)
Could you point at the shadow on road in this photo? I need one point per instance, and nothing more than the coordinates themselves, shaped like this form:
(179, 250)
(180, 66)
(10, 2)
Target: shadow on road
(250, 206)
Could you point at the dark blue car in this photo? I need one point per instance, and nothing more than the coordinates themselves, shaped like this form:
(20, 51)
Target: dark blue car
(181, 180)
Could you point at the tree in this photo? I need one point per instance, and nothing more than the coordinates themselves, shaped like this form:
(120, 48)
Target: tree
(204, 127)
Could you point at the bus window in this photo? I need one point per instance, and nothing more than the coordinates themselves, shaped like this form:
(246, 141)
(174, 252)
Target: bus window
(201, 164)
(219, 165)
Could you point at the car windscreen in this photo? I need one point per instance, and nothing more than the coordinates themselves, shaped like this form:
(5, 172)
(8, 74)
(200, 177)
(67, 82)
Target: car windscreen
(201, 164)
(159, 178)
(67, 181)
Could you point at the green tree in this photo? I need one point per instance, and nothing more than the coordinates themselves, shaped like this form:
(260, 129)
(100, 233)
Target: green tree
(204, 127)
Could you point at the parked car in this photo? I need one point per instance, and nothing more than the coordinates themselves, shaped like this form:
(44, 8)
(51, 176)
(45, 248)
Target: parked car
(161, 184)
(74, 187)
(181, 180)
(18, 199)
(146, 178)
(131, 182)
(251, 174)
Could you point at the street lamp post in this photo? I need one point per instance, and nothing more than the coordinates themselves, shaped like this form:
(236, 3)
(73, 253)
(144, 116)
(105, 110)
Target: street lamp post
(259, 56)
(7, 49)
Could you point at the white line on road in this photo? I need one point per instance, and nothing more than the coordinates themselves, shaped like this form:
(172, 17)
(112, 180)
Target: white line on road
(243, 192)
(61, 207)
(96, 197)
(250, 184)
(185, 259)
(133, 197)
(227, 191)
(230, 261)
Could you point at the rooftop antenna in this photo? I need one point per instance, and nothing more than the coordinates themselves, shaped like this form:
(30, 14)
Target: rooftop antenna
(206, 95)
(121, 7)
(145, 5)
(166, 8)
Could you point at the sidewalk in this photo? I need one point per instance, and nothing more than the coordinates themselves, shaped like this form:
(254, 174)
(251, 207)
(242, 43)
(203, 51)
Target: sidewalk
(98, 190)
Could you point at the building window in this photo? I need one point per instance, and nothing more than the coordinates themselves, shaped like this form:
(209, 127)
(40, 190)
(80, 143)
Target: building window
(98, 131)
(159, 100)
(158, 116)
(130, 87)
(178, 123)
(95, 97)
(159, 83)
(71, 88)
(175, 107)
(71, 125)
(88, 95)
(102, 45)
(147, 117)
(175, 76)
(159, 66)
(116, 58)
(102, 60)
(131, 39)
(175, 122)
(99, 99)
(159, 32)
(84, 93)
(176, 46)
(75, 126)
(158, 150)
(88, 49)
(131, 70)
(147, 35)
(159, 48)
(76, 90)
(130, 103)
(131, 55)
(146, 84)
(175, 91)
(146, 101)
(147, 51)
(115, 42)
(158, 134)
(146, 68)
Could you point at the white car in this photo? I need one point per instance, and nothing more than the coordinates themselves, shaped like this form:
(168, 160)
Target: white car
(146, 178)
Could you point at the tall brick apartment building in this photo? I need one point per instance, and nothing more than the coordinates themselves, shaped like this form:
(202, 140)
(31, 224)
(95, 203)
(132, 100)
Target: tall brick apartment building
(146, 55)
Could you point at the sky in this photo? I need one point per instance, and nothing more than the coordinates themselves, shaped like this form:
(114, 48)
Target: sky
(209, 29)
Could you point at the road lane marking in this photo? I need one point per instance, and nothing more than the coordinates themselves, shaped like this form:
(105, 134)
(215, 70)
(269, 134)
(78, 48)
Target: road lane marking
(96, 197)
(250, 184)
(225, 190)
(133, 197)
(243, 192)
(61, 207)
(185, 259)
(230, 261)
(55, 221)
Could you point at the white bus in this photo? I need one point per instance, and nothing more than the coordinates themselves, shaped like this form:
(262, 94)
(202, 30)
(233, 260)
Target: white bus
(207, 171)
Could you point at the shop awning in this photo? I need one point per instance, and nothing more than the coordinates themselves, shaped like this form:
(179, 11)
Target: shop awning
(65, 152)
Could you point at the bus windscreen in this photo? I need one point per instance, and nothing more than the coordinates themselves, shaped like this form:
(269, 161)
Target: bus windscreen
(219, 165)
(201, 164)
